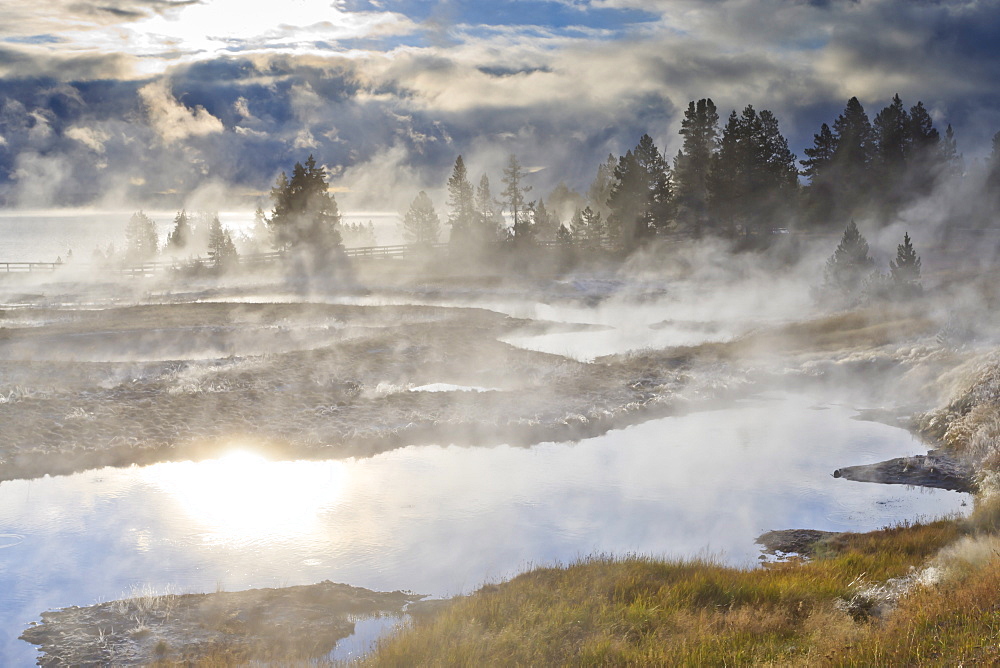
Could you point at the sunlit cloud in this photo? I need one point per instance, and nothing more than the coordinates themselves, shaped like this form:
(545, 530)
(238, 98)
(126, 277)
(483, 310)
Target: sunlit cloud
(411, 84)
(173, 121)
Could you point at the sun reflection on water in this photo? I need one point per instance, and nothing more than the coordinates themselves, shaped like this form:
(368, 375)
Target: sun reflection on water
(244, 497)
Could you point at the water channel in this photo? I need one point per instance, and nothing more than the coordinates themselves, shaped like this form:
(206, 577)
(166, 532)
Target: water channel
(442, 520)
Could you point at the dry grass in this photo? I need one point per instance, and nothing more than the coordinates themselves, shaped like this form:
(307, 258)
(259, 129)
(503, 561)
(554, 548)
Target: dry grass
(638, 611)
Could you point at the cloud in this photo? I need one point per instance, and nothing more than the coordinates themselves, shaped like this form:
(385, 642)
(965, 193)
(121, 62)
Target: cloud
(92, 138)
(29, 62)
(171, 120)
(410, 85)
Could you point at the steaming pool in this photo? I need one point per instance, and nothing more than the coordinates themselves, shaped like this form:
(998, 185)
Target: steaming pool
(444, 520)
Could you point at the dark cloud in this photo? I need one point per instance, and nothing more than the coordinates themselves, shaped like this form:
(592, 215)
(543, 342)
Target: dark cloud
(129, 10)
(558, 83)
(508, 71)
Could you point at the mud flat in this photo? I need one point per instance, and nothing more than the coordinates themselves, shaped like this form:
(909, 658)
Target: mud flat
(292, 622)
(83, 388)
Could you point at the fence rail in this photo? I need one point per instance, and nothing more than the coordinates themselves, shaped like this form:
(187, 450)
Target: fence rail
(260, 259)
(24, 267)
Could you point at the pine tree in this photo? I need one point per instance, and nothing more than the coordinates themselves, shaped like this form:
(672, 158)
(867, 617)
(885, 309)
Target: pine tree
(905, 269)
(600, 190)
(305, 215)
(853, 157)
(514, 202)
(775, 179)
(593, 226)
(641, 198)
(993, 170)
(693, 164)
(820, 156)
(892, 141)
(849, 266)
(576, 225)
(488, 217)
(141, 238)
(924, 138)
(260, 234)
(925, 162)
(221, 248)
(753, 175)
(180, 236)
(951, 160)
(461, 204)
(821, 192)
(421, 224)
(546, 224)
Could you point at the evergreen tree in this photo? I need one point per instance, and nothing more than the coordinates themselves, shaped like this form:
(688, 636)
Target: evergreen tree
(593, 226)
(305, 215)
(141, 239)
(461, 204)
(993, 169)
(600, 190)
(951, 160)
(421, 224)
(260, 234)
(489, 219)
(924, 138)
(821, 193)
(849, 266)
(925, 161)
(892, 142)
(820, 156)
(513, 199)
(753, 177)
(774, 182)
(905, 269)
(853, 157)
(641, 198)
(221, 248)
(693, 164)
(576, 225)
(726, 183)
(546, 224)
(180, 236)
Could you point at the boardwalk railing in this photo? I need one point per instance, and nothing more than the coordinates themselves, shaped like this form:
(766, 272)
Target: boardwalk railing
(262, 259)
(22, 267)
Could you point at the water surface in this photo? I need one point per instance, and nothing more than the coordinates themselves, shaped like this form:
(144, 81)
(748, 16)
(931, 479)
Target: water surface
(442, 520)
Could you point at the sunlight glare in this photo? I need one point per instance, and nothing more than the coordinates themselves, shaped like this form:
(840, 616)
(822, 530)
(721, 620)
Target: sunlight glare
(243, 497)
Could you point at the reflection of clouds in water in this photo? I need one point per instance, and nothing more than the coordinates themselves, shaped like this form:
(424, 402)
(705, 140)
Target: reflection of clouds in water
(442, 520)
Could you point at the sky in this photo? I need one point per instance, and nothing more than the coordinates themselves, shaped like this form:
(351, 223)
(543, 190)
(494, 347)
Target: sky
(204, 102)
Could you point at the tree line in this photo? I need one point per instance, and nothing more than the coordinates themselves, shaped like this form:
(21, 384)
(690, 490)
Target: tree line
(738, 180)
(735, 180)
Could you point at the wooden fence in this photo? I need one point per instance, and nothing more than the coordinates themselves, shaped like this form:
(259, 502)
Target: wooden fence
(260, 259)
(27, 267)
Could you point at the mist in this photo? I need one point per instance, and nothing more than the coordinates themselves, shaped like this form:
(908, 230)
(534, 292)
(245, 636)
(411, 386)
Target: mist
(414, 302)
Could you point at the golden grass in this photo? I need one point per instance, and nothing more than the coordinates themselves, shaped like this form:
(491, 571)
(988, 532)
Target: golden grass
(640, 611)
(954, 623)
